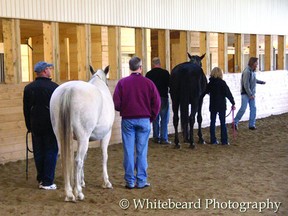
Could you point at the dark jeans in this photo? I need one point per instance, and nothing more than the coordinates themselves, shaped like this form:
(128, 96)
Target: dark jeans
(45, 150)
(222, 117)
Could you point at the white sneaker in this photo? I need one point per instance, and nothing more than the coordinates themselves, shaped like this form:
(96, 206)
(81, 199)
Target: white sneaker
(49, 187)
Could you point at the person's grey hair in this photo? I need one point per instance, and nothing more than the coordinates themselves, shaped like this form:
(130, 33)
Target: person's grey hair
(156, 61)
(135, 63)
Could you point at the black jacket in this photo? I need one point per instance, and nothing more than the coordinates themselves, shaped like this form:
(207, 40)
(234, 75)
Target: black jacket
(36, 102)
(218, 90)
(160, 78)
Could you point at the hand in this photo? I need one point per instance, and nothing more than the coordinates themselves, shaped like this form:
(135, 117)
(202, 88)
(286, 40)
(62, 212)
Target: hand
(233, 107)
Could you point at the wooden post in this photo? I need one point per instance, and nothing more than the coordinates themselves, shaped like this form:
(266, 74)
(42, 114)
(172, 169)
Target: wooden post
(281, 53)
(268, 53)
(204, 48)
(162, 47)
(96, 46)
(167, 51)
(141, 46)
(254, 46)
(12, 51)
(48, 43)
(222, 51)
(82, 70)
(113, 52)
(56, 51)
(239, 43)
(182, 47)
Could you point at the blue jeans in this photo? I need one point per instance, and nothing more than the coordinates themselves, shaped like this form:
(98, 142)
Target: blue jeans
(135, 132)
(222, 117)
(252, 117)
(45, 150)
(160, 124)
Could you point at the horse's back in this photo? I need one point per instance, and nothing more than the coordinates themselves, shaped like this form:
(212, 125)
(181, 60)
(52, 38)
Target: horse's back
(91, 109)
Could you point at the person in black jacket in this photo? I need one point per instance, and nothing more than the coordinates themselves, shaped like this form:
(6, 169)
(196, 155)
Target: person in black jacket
(218, 90)
(160, 77)
(36, 101)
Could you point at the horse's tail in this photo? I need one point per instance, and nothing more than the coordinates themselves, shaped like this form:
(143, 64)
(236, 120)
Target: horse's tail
(67, 150)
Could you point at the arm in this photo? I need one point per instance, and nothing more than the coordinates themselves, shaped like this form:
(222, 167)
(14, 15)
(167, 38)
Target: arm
(155, 103)
(260, 82)
(117, 97)
(26, 110)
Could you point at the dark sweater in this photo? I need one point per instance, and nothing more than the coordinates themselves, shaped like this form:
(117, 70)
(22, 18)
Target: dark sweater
(218, 90)
(160, 78)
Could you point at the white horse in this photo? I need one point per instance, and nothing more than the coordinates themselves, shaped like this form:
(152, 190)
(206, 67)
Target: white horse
(84, 110)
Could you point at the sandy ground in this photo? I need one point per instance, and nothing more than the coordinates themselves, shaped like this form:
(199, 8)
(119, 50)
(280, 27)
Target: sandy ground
(249, 177)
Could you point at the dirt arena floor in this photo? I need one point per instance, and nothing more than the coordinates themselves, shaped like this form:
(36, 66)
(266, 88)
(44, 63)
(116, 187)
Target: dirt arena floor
(249, 177)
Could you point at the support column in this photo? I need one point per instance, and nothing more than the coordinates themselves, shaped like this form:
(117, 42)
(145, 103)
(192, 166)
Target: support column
(239, 43)
(254, 46)
(268, 53)
(281, 53)
(12, 51)
(162, 47)
(113, 52)
(141, 46)
(205, 48)
(183, 47)
(222, 51)
(96, 46)
(81, 52)
(167, 51)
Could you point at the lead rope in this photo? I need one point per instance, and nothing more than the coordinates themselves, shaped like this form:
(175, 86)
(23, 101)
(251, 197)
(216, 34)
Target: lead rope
(233, 124)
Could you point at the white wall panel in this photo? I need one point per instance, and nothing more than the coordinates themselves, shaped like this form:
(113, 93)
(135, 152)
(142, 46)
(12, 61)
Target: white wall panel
(237, 16)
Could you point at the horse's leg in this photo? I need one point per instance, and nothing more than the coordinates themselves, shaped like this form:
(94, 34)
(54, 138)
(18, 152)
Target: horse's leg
(199, 120)
(175, 107)
(184, 112)
(192, 122)
(83, 143)
(104, 145)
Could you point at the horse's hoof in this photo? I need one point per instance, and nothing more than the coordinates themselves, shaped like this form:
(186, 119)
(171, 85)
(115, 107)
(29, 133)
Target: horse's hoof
(70, 199)
(192, 146)
(81, 196)
(177, 146)
(107, 185)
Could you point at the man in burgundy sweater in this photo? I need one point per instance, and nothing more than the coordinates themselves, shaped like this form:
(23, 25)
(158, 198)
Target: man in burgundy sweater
(138, 101)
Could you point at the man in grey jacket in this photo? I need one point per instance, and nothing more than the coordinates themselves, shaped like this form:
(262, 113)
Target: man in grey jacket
(248, 90)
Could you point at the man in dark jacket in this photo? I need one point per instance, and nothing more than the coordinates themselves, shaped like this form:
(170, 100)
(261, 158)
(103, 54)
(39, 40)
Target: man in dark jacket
(36, 101)
(160, 77)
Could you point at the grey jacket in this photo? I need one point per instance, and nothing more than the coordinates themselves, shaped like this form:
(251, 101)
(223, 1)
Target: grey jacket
(248, 82)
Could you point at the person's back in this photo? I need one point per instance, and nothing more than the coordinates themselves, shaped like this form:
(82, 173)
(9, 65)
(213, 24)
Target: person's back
(136, 92)
(138, 101)
(36, 109)
(161, 78)
(37, 95)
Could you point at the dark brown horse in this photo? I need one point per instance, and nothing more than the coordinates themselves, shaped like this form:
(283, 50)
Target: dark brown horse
(187, 83)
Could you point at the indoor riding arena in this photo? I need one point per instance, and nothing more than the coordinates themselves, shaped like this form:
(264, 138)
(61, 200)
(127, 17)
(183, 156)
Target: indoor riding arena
(247, 177)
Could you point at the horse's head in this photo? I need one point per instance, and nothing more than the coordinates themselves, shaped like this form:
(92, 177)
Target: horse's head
(195, 59)
(99, 73)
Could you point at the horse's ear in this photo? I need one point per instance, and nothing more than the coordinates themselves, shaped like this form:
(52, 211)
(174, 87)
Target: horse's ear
(201, 57)
(106, 70)
(91, 70)
(189, 55)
